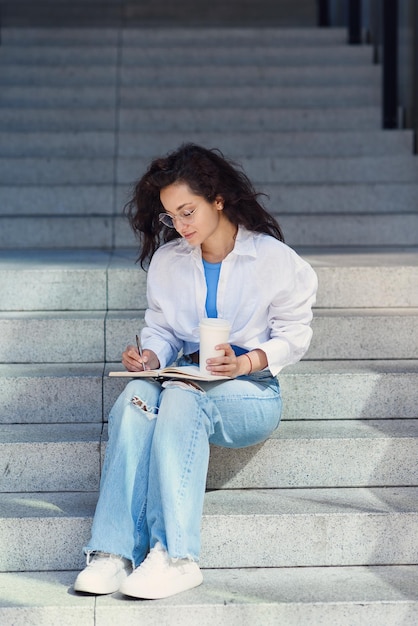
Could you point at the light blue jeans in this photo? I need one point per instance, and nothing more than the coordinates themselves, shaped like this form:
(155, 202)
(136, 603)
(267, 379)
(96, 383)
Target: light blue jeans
(154, 474)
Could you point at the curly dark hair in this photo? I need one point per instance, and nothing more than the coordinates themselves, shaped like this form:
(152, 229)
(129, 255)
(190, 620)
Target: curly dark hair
(208, 174)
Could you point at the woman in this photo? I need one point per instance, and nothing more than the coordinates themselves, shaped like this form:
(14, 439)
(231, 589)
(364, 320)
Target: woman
(214, 252)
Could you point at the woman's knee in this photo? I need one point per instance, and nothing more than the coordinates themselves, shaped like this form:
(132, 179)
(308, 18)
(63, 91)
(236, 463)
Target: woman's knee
(180, 403)
(138, 397)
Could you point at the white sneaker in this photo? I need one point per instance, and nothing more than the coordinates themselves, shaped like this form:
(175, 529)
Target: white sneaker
(104, 573)
(159, 577)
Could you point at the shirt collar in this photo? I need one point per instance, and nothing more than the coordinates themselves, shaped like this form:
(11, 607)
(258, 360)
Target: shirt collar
(244, 245)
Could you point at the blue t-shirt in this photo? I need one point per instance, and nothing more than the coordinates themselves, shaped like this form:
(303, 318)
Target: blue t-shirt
(212, 271)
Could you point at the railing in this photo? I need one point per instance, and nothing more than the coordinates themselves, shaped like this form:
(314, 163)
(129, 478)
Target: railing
(391, 26)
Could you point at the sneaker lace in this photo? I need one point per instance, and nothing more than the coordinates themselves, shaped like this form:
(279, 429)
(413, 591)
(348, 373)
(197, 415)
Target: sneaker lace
(155, 559)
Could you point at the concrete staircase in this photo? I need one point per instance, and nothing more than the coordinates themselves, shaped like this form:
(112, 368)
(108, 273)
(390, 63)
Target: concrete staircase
(320, 524)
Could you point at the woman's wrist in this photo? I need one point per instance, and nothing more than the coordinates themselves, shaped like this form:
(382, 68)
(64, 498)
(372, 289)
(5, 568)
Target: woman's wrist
(249, 363)
(253, 361)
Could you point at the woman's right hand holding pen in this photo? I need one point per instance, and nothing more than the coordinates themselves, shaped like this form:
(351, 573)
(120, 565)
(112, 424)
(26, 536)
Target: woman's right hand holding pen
(132, 361)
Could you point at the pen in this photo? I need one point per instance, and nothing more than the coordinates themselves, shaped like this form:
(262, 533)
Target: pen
(140, 351)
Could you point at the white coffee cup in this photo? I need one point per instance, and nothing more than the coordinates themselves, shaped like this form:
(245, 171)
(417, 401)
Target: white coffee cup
(213, 331)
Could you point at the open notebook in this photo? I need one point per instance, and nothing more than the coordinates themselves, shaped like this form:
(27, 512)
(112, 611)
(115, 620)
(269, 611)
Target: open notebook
(186, 372)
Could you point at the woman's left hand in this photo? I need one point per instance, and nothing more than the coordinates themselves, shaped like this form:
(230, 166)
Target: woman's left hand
(229, 364)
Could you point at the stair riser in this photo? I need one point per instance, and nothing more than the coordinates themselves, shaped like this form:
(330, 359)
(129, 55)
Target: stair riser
(123, 287)
(301, 171)
(60, 200)
(64, 466)
(279, 463)
(238, 119)
(346, 336)
(64, 394)
(63, 339)
(59, 395)
(220, 55)
(358, 337)
(190, 120)
(155, 97)
(360, 394)
(347, 230)
(185, 75)
(79, 338)
(156, 37)
(56, 233)
(262, 144)
(304, 540)
(302, 230)
(332, 199)
(74, 290)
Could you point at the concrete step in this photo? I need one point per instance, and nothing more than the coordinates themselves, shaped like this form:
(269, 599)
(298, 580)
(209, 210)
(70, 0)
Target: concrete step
(64, 35)
(59, 232)
(373, 595)
(82, 144)
(246, 97)
(289, 199)
(317, 527)
(237, 36)
(325, 453)
(103, 232)
(183, 75)
(234, 119)
(336, 198)
(60, 200)
(72, 54)
(338, 334)
(162, 36)
(58, 120)
(190, 120)
(247, 75)
(155, 13)
(311, 230)
(331, 170)
(364, 334)
(348, 389)
(183, 54)
(56, 76)
(84, 337)
(330, 390)
(52, 394)
(345, 230)
(50, 171)
(64, 144)
(31, 97)
(50, 457)
(262, 170)
(76, 337)
(265, 143)
(77, 280)
(262, 55)
(242, 96)
(55, 280)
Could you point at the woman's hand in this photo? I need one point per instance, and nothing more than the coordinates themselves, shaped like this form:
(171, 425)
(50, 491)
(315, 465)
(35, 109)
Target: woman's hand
(133, 362)
(229, 364)
(233, 366)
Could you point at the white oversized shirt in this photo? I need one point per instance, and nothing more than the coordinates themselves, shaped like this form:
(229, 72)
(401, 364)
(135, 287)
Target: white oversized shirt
(265, 290)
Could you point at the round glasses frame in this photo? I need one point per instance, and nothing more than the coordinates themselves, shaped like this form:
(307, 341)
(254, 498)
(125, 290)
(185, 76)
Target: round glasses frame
(169, 220)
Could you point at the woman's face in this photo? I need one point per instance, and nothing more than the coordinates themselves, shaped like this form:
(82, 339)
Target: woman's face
(195, 219)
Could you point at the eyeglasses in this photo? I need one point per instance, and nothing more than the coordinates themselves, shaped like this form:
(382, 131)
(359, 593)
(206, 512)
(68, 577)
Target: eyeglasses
(184, 216)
